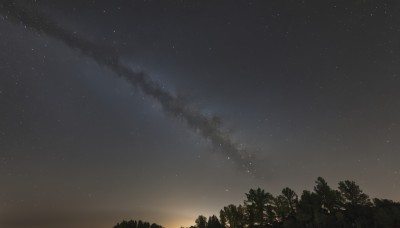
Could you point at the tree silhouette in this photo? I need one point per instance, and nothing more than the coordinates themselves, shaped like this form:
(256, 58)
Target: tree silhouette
(285, 207)
(352, 193)
(290, 200)
(259, 207)
(136, 224)
(356, 204)
(386, 213)
(281, 208)
(232, 216)
(322, 208)
(213, 222)
(309, 210)
(331, 200)
(201, 222)
(223, 218)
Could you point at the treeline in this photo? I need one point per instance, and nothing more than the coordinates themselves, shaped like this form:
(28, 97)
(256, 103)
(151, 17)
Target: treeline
(136, 224)
(322, 208)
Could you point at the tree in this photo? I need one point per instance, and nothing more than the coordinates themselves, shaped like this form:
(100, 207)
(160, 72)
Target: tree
(290, 199)
(133, 223)
(201, 222)
(213, 222)
(356, 204)
(285, 207)
(324, 208)
(386, 213)
(223, 218)
(154, 225)
(352, 193)
(258, 205)
(136, 224)
(146, 225)
(281, 208)
(309, 210)
(140, 224)
(232, 216)
(330, 199)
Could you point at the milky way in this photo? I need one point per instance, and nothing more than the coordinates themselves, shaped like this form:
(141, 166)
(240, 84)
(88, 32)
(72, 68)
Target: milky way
(208, 127)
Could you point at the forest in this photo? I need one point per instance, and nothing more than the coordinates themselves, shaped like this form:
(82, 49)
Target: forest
(324, 207)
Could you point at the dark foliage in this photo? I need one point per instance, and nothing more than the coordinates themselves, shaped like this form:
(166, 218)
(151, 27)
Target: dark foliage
(136, 224)
(322, 208)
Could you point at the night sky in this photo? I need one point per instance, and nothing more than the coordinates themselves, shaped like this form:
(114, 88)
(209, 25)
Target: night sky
(165, 110)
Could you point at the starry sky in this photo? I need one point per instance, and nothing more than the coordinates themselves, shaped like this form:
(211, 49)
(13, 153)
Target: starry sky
(165, 110)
